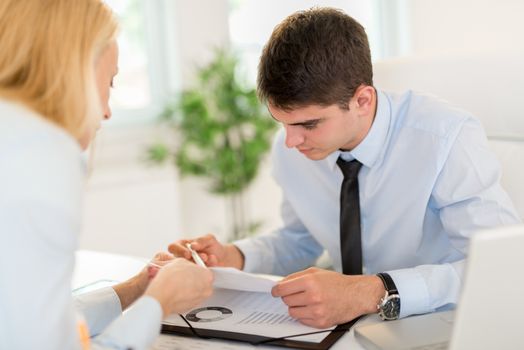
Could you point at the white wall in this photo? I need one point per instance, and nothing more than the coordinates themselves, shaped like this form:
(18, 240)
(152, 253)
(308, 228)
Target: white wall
(199, 26)
(444, 26)
(129, 208)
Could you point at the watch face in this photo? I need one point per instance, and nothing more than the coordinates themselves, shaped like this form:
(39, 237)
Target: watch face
(390, 307)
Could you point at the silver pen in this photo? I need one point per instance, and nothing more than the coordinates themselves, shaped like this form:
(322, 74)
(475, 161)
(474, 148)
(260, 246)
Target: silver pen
(198, 260)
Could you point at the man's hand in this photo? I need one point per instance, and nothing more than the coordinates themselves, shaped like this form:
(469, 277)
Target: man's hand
(321, 298)
(212, 252)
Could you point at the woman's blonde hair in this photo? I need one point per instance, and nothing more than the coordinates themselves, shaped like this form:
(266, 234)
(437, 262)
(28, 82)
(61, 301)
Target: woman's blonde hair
(48, 50)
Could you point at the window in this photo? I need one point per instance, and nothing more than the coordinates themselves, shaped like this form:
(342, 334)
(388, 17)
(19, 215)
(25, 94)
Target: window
(251, 23)
(140, 88)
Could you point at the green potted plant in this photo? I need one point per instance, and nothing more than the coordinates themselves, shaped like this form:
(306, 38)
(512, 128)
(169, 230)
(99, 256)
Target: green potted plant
(224, 133)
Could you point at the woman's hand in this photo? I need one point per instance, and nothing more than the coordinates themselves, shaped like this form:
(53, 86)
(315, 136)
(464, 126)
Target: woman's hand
(133, 288)
(180, 285)
(160, 259)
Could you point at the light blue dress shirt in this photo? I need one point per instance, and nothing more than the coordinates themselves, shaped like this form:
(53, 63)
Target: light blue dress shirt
(42, 176)
(428, 182)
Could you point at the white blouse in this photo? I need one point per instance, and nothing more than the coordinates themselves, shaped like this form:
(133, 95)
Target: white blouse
(42, 178)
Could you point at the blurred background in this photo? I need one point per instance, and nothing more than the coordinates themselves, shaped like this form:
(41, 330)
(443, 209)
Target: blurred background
(146, 187)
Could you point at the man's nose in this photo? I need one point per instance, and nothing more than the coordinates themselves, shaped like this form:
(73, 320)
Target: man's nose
(294, 136)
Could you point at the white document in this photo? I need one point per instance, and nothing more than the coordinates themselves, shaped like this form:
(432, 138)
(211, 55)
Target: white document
(248, 313)
(231, 278)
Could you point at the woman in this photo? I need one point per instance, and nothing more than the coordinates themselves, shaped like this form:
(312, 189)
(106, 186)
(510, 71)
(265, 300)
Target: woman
(57, 62)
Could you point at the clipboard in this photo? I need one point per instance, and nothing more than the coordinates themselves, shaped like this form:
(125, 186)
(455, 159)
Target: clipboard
(254, 339)
(242, 309)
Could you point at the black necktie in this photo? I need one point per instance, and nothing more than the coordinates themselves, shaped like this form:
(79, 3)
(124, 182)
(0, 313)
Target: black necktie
(350, 245)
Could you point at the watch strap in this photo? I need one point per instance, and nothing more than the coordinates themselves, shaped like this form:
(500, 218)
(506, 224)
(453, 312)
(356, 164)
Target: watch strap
(390, 286)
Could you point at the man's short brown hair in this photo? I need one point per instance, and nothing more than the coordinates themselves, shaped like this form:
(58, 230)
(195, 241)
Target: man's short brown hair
(318, 56)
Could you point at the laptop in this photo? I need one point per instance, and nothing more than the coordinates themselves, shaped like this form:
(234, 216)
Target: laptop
(490, 311)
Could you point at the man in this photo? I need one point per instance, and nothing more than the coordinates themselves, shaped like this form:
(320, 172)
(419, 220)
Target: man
(392, 185)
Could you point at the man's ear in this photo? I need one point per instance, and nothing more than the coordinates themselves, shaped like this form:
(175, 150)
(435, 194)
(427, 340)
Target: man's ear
(364, 100)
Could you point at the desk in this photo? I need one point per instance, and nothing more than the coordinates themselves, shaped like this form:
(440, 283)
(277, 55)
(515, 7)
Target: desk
(92, 266)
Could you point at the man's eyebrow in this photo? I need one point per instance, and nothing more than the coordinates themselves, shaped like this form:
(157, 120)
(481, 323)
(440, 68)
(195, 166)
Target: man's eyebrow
(306, 122)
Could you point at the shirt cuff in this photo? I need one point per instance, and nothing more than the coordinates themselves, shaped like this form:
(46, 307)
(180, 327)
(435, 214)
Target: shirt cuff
(414, 296)
(99, 308)
(252, 256)
(137, 329)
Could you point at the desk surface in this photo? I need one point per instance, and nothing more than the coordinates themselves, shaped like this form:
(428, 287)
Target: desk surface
(92, 266)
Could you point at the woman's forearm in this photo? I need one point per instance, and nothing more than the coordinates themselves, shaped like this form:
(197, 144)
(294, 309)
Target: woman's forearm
(132, 289)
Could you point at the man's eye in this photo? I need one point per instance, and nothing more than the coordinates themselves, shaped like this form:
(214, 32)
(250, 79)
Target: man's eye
(310, 126)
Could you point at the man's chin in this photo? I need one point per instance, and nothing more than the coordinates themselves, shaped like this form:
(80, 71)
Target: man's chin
(315, 155)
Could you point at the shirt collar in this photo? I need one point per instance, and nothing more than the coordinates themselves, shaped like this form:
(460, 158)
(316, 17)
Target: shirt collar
(368, 151)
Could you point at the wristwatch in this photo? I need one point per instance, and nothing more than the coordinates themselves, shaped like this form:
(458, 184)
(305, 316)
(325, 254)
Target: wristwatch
(389, 305)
